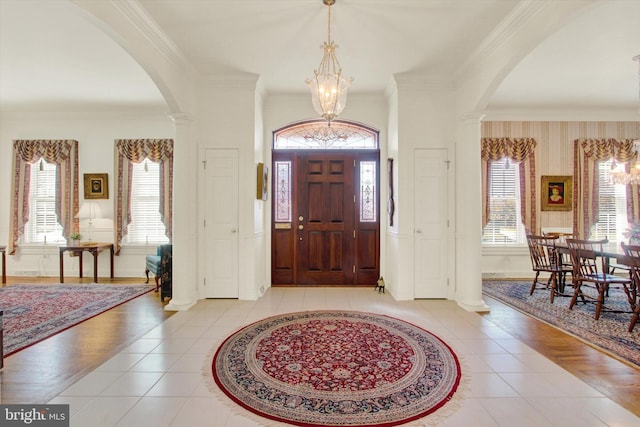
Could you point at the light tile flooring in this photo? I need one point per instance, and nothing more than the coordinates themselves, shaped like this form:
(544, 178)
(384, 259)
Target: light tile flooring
(158, 380)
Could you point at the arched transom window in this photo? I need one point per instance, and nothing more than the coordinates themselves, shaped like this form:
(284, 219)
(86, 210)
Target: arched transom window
(323, 135)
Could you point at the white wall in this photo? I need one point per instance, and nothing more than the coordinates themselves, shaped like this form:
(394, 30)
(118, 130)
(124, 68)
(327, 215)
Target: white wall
(227, 118)
(425, 119)
(95, 133)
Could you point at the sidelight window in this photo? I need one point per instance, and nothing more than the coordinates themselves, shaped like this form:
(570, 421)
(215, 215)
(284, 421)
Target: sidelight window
(282, 197)
(368, 191)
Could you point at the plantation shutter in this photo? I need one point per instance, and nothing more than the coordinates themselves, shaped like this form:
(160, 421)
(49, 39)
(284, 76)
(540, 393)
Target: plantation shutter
(520, 152)
(27, 153)
(504, 204)
(611, 221)
(128, 154)
(43, 226)
(146, 225)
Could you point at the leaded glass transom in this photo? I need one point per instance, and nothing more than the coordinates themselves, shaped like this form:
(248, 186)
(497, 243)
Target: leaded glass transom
(323, 135)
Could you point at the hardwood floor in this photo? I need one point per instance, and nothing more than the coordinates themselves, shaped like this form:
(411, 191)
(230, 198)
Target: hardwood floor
(617, 380)
(38, 373)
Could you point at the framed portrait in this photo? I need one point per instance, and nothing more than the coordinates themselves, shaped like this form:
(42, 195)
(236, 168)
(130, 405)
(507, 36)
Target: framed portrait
(96, 186)
(262, 181)
(556, 193)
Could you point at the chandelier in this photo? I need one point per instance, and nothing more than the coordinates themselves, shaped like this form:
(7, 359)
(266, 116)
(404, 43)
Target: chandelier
(619, 176)
(328, 87)
(632, 176)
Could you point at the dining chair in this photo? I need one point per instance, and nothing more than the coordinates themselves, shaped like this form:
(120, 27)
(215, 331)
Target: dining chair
(591, 270)
(632, 260)
(562, 241)
(546, 258)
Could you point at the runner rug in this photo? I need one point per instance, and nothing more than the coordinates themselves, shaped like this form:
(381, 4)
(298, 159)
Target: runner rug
(609, 333)
(336, 368)
(35, 312)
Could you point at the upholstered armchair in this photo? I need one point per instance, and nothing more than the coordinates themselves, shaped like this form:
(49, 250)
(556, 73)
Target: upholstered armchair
(160, 265)
(166, 275)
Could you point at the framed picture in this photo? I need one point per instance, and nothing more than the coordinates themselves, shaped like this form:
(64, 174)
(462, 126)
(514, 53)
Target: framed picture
(96, 186)
(263, 180)
(556, 193)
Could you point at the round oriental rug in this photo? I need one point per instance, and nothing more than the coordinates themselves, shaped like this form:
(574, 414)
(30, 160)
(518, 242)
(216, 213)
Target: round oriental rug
(337, 368)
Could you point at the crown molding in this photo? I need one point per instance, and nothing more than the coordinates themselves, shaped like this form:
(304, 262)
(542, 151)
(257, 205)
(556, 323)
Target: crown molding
(415, 80)
(239, 80)
(557, 114)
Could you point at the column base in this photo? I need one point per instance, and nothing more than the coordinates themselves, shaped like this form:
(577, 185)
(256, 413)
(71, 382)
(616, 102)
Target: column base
(475, 306)
(179, 305)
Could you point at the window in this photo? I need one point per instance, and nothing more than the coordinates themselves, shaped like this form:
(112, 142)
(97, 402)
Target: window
(612, 200)
(321, 135)
(368, 191)
(282, 196)
(505, 223)
(43, 225)
(146, 227)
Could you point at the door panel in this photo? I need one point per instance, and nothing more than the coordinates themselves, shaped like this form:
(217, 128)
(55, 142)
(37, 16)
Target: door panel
(325, 185)
(221, 219)
(430, 237)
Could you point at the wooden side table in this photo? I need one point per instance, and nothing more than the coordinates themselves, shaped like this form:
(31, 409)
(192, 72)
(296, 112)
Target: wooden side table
(3, 249)
(94, 249)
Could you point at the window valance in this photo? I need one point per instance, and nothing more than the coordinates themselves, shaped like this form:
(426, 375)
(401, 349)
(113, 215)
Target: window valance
(522, 152)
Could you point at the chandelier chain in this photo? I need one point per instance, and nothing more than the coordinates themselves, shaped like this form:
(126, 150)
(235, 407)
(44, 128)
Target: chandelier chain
(329, 26)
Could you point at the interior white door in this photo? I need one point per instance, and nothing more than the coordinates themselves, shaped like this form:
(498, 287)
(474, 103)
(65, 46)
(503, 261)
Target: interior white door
(431, 223)
(221, 224)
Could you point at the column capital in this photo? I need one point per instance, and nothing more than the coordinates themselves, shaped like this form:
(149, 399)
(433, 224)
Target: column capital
(472, 117)
(181, 118)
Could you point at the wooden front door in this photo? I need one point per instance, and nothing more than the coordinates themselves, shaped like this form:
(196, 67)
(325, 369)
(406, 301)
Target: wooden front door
(325, 240)
(324, 218)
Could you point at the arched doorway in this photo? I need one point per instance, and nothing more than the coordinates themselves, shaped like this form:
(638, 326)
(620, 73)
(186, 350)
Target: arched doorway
(325, 226)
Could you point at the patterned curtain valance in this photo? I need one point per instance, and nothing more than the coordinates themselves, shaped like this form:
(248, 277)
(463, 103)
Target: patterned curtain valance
(605, 149)
(516, 149)
(63, 153)
(588, 153)
(521, 151)
(136, 150)
(52, 150)
(127, 152)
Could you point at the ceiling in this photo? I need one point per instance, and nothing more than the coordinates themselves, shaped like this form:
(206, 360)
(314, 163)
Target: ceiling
(53, 57)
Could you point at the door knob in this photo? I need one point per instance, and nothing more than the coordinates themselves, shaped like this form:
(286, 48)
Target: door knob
(418, 231)
(233, 231)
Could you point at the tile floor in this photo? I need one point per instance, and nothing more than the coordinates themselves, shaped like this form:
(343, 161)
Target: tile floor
(158, 380)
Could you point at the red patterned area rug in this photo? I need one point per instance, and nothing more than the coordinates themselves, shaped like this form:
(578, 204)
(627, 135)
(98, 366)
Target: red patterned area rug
(35, 312)
(609, 333)
(336, 368)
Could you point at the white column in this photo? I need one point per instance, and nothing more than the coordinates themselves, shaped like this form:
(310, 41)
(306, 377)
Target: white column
(469, 215)
(184, 293)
